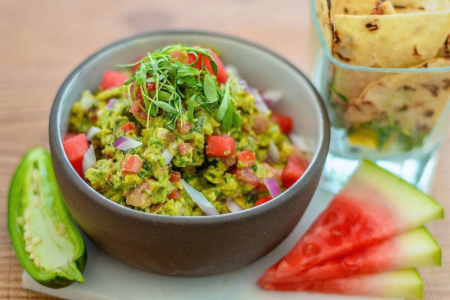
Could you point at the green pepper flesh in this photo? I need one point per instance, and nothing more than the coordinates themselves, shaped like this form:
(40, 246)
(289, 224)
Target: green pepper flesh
(45, 239)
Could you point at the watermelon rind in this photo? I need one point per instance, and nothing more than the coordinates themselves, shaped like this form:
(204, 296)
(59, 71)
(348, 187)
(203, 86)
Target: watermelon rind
(420, 248)
(375, 205)
(405, 283)
(415, 207)
(400, 284)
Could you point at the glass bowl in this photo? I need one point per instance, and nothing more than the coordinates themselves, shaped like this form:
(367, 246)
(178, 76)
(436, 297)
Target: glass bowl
(396, 117)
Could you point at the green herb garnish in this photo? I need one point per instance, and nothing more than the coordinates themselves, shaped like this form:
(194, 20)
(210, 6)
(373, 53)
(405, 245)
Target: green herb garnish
(143, 174)
(341, 96)
(177, 83)
(384, 133)
(210, 89)
(405, 142)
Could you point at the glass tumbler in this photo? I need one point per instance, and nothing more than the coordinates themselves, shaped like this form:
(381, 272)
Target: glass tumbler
(394, 117)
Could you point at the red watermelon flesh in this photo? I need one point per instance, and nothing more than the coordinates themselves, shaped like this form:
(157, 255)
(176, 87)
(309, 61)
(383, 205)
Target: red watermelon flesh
(416, 248)
(374, 206)
(398, 284)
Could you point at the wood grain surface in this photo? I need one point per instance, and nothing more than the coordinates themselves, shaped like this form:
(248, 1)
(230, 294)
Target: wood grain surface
(43, 41)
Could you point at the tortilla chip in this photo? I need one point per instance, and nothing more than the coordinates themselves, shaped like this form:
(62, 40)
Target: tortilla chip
(384, 8)
(346, 85)
(364, 7)
(390, 41)
(324, 17)
(407, 6)
(349, 84)
(412, 101)
(352, 7)
(445, 50)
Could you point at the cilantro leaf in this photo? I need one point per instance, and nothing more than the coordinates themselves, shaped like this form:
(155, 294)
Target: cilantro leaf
(225, 102)
(210, 89)
(237, 119)
(191, 107)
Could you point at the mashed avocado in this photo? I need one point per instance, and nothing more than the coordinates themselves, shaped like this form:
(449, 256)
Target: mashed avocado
(183, 117)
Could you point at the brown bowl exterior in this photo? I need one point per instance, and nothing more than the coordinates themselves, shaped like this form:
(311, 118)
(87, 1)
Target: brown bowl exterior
(181, 246)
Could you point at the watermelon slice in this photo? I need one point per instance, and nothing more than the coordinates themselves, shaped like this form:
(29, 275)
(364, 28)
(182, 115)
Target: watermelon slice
(398, 284)
(413, 249)
(375, 205)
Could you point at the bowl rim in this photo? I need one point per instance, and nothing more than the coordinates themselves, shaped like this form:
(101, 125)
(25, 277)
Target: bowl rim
(55, 137)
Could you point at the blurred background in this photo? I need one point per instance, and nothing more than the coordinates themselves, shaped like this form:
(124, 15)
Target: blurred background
(43, 41)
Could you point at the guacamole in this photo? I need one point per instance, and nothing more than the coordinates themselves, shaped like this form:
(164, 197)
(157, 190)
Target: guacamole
(176, 134)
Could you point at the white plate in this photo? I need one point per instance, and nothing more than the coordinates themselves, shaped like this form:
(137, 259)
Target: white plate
(107, 278)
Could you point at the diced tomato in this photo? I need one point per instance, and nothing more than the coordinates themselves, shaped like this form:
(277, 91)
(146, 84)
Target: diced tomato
(185, 128)
(174, 176)
(295, 167)
(222, 75)
(246, 158)
(75, 148)
(174, 195)
(136, 67)
(128, 127)
(138, 103)
(284, 122)
(184, 148)
(151, 87)
(137, 110)
(198, 65)
(220, 146)
(112, 79)
(262, 200)
(246, 175)
(69, 136)
(261, 187)
(132, 164)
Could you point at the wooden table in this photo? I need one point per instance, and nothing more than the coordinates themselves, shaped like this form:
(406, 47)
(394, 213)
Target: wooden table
(42, 41)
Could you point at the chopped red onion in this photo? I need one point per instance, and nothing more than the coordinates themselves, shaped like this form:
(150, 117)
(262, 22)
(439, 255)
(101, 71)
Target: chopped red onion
(200, 199)
(272, 97)
(126, 143)
(167, 156)
(243, 83)
(274, 153)
(272, 186)
(92, 132)
(111, 103)
(119, 141)
(88, 159)
(260, 104)
(233, 206)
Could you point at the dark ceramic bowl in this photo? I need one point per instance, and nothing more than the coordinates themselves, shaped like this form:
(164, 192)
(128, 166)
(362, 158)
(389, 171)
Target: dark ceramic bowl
(193, 246)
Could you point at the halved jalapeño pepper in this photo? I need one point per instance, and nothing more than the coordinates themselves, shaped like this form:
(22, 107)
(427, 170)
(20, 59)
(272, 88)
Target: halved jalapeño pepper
(46, 241)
